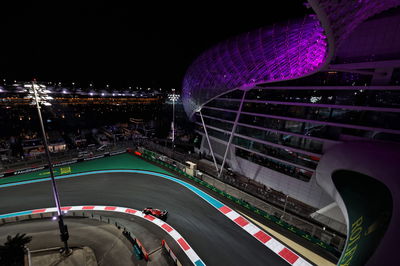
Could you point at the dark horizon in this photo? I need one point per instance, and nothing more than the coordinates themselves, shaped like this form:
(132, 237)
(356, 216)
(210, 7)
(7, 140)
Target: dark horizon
(122, 45)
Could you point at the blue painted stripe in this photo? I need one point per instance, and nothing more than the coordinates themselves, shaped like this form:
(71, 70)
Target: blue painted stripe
(15, 214)
(199, 263)
(217, 204)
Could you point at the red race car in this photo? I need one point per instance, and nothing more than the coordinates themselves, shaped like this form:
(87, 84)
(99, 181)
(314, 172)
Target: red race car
(156, 212)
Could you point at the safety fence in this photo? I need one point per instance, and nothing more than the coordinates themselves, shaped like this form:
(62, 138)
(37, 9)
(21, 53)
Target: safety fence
(333, 247)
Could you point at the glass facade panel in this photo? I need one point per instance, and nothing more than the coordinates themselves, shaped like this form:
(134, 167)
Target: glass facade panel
(219, 114)
(305, 128)
(230, 105)
(282, 139)
(236, 94)
(218, 124)
(374, 119)
(286, 169)
(356, 97)
(283, 154)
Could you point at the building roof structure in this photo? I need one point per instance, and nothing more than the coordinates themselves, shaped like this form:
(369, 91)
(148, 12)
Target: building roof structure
(281, 52)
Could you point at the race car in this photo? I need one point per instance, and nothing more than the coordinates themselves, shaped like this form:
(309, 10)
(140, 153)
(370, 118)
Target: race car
(156, 212)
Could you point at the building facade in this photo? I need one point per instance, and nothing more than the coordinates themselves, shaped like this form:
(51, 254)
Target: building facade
(270, 104)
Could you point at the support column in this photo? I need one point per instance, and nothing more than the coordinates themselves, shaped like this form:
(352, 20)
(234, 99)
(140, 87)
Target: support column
(208, 140)
(232, 132)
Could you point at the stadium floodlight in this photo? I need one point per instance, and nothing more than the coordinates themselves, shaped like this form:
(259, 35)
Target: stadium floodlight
(39, 96)
(173, 97)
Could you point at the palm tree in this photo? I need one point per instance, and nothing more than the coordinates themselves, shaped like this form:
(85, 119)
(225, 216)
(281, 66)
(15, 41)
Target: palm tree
(12, 252)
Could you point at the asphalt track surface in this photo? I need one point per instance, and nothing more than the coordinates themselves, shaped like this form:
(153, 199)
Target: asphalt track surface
(215, 238)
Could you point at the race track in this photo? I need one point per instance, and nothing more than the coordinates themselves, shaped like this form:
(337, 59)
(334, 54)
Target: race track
(215, 238)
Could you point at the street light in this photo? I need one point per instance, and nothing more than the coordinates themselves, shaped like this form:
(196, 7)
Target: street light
(173, 97)
(39, 96)
(284, 208)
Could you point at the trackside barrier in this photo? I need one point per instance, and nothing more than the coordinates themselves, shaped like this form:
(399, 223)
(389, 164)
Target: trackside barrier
(170, 252)
(151, 156)
(138, 248)
(142, 249)
(34, 168)
(48, 212)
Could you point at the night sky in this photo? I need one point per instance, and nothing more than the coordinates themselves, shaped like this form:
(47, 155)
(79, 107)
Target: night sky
(149, 45)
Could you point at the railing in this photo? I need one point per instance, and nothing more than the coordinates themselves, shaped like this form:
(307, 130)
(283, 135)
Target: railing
(276, 198)
(317, 234)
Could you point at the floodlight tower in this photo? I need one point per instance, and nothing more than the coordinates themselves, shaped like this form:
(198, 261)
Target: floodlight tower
(173, 97)
(39, 96)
